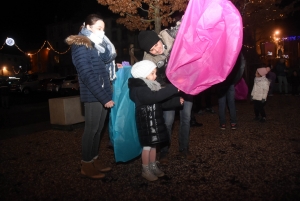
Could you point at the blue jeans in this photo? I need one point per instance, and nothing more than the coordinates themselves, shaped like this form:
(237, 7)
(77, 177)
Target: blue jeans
(184, 131)
(95, 115)
(227, 93)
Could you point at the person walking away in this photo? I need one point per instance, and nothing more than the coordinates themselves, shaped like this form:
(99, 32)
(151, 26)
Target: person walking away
(93, 56)
(260, 92)
(157, 49)
(281, 75)
(150, 99)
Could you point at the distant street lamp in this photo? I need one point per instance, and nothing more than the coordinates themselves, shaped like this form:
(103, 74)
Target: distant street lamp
(275, 36)
(3, 69)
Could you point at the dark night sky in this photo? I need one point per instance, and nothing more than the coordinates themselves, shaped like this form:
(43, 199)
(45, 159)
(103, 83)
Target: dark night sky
(25, 21)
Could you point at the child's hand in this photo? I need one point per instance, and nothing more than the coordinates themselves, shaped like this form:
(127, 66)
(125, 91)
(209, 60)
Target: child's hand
(181, 100)
(119, 65)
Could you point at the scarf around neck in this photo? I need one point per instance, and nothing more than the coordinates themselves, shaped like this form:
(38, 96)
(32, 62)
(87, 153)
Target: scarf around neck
(106, 50)
(153, 85)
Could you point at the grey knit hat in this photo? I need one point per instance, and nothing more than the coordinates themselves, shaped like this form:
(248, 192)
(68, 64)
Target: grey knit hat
(142, 69)
(147, 39)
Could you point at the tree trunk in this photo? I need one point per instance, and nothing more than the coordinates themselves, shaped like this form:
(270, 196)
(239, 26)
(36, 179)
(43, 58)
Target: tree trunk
(157, 21)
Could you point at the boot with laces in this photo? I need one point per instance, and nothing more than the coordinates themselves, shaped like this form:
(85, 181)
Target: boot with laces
(147, 173)
(155, 169)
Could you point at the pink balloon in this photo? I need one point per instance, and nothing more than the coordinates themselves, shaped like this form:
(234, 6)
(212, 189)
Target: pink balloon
(206, 46)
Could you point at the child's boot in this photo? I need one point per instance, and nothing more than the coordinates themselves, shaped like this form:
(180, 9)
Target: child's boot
(147, 173)
(155, 169)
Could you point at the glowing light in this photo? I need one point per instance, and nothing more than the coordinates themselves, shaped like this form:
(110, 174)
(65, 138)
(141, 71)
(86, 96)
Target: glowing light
(9, 41)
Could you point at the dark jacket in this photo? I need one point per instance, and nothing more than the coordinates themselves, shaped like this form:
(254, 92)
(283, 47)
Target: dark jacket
(281, 68)
(236, 73)
(149, 107)
(234, 76)
(92, 74)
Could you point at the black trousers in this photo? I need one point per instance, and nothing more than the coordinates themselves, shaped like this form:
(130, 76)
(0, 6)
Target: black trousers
(259, 108)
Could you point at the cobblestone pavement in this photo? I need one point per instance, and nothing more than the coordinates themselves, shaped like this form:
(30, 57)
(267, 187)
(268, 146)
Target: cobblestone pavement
(258, 161)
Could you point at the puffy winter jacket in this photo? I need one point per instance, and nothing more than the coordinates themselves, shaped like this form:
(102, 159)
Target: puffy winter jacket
(260, 89)
(149, 107)
(92, 74)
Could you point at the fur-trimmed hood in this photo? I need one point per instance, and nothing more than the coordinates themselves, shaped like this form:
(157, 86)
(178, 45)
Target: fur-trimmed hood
(79, 40)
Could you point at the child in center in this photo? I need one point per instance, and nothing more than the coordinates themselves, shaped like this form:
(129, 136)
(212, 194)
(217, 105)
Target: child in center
(150, 99)
(260, 92)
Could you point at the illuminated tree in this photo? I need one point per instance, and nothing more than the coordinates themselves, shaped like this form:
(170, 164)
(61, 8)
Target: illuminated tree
(143, 14)
(259, 20)
(259, 14)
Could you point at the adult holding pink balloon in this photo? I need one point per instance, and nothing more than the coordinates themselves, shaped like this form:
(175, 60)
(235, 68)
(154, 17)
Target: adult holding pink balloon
(207, 45)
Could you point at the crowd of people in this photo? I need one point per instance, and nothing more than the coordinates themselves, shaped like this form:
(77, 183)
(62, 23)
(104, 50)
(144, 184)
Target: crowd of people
(156, 99)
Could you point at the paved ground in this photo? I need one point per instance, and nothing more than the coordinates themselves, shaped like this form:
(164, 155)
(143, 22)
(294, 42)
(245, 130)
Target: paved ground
(255, 162)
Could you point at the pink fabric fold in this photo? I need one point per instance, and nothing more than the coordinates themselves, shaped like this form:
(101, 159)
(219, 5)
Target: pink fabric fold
(206, 46)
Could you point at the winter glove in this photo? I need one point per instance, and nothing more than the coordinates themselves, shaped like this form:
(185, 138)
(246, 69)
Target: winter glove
(263, 100)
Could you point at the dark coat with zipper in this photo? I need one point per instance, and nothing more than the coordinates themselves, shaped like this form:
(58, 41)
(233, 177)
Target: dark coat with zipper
(149, 107)
(92, 74)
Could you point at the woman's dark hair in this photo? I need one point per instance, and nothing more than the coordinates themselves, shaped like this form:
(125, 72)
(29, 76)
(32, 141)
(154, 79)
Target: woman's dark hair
(91, 20)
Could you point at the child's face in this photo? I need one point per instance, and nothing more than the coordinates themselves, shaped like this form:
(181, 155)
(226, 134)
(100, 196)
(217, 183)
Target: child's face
(257, 74)
(152, 76)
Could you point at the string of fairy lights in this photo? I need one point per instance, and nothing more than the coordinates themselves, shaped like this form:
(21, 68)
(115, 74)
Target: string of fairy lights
(11, 42)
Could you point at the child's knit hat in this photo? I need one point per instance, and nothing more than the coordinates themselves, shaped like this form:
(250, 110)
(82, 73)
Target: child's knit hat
(142, 69)
(263, 71)
(147, 39)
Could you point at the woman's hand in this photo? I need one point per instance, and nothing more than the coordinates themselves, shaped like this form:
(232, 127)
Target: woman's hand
(181, 100)
(109, 104)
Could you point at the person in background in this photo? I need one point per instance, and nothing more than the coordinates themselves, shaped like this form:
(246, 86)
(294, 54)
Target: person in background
(260, 92)
(272, 77)
(281, 75)
(226, 93)
(206, 95)
(295, 81)
(150, 99)
(157, 49)
(93, 56)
